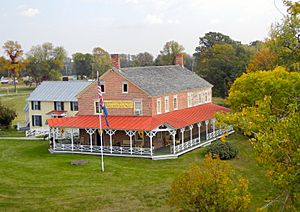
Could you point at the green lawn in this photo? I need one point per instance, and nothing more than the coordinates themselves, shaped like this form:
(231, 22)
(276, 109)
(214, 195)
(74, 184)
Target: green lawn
(33, 179)
(18, 102)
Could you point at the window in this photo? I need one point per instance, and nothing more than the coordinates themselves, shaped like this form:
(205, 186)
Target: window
(97, 108)
(206, 96)
(158, 106)
(199, 98)
(36, 120)
(125, 87)
(102, 88)
(74, 106)
(175, 102)
(35, 105)
(167, 104)
(59, 106)
(138, 108)
(189, 99)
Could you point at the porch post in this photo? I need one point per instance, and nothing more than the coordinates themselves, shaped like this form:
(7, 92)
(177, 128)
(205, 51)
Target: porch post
(72, 139)
(130, 133)
(54, 131)
(150, 134)
(214, 126)
(206, 125)
(91, 132)
(110, 133)
(182, 135)
(199, 131)
(191, 134)
(173, 133)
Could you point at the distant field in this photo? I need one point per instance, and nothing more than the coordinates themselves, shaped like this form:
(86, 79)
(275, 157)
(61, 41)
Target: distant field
(18, 102)
(218, 101)
(33, 179)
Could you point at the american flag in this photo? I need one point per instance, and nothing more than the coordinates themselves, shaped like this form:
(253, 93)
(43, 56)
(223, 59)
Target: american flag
(101, 103)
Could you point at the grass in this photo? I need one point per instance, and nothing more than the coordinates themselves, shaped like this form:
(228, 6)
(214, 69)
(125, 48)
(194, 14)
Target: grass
(9, 89)
(219, 101)
(11, 133)
(18, 102)
(33, 179)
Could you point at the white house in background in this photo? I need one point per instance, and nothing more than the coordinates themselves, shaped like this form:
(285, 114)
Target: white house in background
(52, 99)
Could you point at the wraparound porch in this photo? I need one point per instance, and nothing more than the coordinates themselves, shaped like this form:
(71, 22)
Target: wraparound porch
(161, 143)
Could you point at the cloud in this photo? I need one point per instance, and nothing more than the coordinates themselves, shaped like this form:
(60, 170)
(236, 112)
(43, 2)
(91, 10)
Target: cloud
(153, 19)
(30, 12)
(215, 21)
(132, 1)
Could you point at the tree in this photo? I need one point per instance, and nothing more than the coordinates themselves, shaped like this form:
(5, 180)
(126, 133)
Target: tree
(285, 38)
(211, 187)
(7, 115)
(265, 107)
(219, 60)
(167, 56)
(45, 62)
(141, 59)
(101, 61)
(264, 59)
(14, 52)
(83, 64)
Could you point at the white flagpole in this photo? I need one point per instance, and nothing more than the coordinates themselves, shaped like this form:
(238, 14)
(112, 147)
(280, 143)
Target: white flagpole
(100, 126)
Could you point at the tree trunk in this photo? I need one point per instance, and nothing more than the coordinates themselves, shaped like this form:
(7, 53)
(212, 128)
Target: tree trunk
(15, 85)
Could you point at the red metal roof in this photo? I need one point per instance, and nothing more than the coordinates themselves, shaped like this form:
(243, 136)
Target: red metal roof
(176, 119)
(56, 112)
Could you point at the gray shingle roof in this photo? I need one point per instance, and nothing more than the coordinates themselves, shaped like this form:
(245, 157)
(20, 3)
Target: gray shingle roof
(160, 80)
(58, 90)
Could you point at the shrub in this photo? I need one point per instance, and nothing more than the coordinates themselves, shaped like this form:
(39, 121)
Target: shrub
(7, 115)
(211, 187)
(223, 150)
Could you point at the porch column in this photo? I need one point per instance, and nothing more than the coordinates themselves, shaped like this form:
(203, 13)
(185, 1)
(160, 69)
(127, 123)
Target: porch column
(130, 133)
(72, 139)
(151, 134)
(173, 133)
(199, 131)
(191, 134)
(54, 131)
(214, 126)
(110, 133)
(182, 135)
(91, 132)
(206, 125)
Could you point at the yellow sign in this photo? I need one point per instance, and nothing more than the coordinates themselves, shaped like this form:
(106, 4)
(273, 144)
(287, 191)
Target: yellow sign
(62, 130)
(118, 104)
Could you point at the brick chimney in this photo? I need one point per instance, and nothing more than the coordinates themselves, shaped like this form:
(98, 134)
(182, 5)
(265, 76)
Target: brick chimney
(179, 59)
(115, 59)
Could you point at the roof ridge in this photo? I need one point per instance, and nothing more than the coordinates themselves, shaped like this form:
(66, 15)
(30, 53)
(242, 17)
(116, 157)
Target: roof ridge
(149, 67)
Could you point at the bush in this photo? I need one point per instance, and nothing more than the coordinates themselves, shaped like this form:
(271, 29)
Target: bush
(212, 187)
(7, 115)
(223, 150)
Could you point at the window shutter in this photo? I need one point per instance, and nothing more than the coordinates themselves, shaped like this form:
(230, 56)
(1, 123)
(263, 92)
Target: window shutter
(62, 105)
(54, 105)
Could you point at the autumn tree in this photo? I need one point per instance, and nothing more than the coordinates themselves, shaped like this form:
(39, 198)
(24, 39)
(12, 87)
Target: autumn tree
(167, 56)
(284, 38)
(210, 187)
(45, 62)
(14, 52)
(220, 60)
(101, 61)
(265, 107)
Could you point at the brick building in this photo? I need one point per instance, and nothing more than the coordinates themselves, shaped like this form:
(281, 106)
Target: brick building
(155, 112)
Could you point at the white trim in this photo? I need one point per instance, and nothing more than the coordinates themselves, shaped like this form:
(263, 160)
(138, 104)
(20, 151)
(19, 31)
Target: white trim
(190, 99)
(124, 83)
(135, 111)
(175, 97)
(158, 109)
(167, 104)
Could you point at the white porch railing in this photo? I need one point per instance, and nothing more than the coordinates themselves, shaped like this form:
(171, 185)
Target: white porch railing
(106, 149)
(185, 145)
(37, 132)
(219, 132)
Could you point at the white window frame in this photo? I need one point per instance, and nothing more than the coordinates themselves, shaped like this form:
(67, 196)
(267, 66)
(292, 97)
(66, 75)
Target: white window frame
(158, 108)
(124, 83)
(34, 124)
(72, 107)
(95, 107)
(167, 104)
(175, 99)
(36, 105)
(135, 109)
(199, 98)
(205, 96)
(190, 99)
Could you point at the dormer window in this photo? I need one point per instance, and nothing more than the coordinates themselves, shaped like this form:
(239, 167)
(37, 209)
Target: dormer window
(125, 87)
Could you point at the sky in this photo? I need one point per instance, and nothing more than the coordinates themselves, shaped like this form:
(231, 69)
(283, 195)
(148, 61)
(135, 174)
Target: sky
(133, 26)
